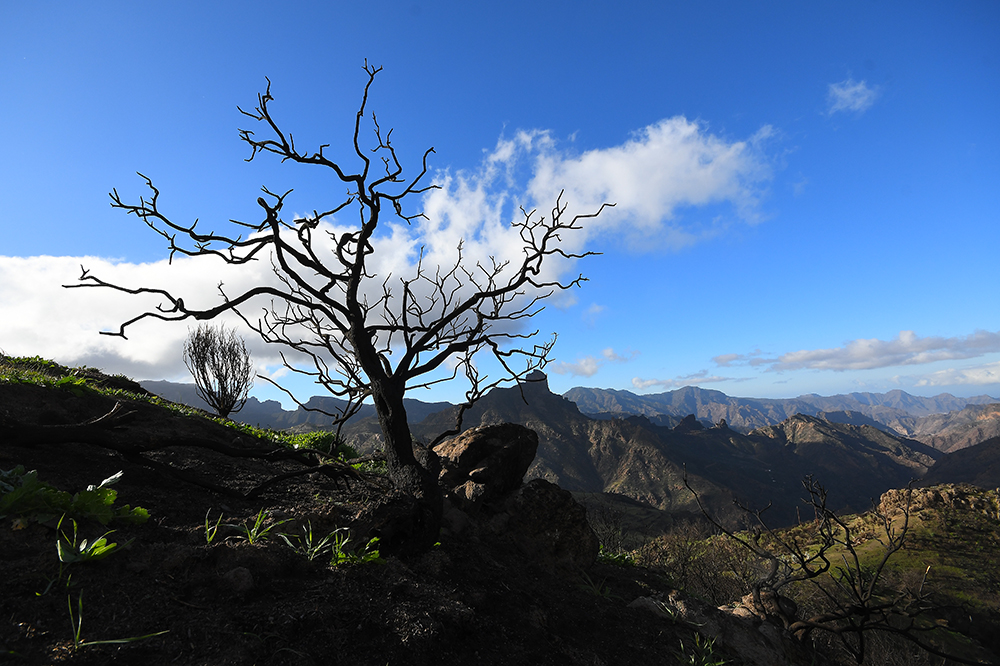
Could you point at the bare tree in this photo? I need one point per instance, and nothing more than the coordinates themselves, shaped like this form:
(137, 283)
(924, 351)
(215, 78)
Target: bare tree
(220, 362)
(367, 336)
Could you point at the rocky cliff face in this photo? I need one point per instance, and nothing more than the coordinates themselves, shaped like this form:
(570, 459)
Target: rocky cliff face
(635, 458)
(958, 430)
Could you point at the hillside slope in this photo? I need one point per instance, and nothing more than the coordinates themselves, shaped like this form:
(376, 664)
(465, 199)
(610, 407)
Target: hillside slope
(978, 465)
(637, 459)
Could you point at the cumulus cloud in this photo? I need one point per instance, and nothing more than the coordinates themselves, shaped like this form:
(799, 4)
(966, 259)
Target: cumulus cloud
(696, 379)
(850, 95)
(587, 366)
(41, 317)
(864, 354)
(666, 167)
(662, 169)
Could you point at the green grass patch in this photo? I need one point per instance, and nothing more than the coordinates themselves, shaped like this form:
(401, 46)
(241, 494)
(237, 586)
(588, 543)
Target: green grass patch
(49, 374)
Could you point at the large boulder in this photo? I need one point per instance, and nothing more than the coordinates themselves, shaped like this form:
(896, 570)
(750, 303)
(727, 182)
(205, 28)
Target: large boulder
(483, 465)
(549, 527)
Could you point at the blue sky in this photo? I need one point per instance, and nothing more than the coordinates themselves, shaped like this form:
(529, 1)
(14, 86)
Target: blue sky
(807, 195)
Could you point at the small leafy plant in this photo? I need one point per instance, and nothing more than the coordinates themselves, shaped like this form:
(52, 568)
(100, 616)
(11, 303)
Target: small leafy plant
(258, 531)
(307, 544)
(621, 558)
(23, 494)
(71, 550)
(324, 441)
(367, 554)
(700, 653)
(373, 467)
(76, 385)
(210, 529)
(596, 589)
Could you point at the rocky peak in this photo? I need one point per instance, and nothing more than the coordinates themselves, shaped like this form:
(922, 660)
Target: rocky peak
(688, 424)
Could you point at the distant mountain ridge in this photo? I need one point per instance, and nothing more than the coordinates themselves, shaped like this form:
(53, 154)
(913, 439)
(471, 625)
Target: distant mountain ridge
(633, 457)
(270, 413)
(749, 413)
(647, 458)
(943, 421)
(895, 412)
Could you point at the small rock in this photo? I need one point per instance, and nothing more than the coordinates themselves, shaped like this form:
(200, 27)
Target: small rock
(239, 580)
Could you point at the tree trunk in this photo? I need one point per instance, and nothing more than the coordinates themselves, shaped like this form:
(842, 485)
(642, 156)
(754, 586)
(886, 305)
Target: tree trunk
(408, 475)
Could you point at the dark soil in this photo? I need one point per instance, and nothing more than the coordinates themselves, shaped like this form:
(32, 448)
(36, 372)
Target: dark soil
(471, 600)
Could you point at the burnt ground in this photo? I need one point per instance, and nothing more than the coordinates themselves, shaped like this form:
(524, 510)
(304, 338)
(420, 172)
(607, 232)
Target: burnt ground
(472, 599)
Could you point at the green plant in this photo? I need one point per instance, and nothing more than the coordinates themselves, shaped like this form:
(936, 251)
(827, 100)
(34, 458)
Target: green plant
(211, 530)
(307, 544)
(324, 441)
(621, 558)
(76, 626)
(40, 371)
(597, 589)
(76, 385)
(373, 467)
(71, 550)
(701, 652)
(258, 531)
(28, 362)
(367, 554)
(24, 495)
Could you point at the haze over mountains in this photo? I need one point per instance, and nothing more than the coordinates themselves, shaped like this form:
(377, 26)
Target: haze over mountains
(639, 448)
(896, 409)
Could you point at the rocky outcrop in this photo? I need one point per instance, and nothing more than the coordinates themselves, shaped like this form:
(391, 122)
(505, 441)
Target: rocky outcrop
(944, 497)
(689, 424)
(549, 527)
(758, 642)
(485, 464)
(482, 473)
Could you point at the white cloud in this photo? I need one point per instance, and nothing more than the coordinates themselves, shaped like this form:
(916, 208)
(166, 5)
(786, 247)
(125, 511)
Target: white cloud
(661, 169)
(725, 360)
(696, 379)
(611, 356)
(587, 366)
(976, 376)
(864, 354)
(850, 95)
(41, 317)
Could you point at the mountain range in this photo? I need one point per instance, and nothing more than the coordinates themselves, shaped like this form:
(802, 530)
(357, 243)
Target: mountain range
(944, 421)
(896, 409)
(641, 449)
